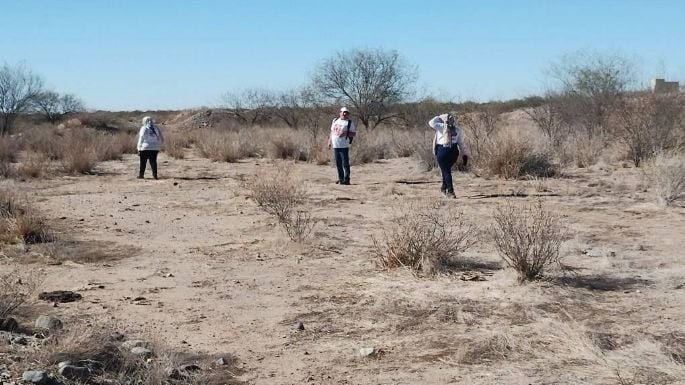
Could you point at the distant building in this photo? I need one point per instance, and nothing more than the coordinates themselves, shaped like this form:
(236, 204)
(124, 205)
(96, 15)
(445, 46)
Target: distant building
(661, 86)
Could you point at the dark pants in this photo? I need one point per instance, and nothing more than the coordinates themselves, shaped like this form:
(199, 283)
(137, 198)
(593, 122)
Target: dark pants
(446, 157)
(342, 162)
(144, 157)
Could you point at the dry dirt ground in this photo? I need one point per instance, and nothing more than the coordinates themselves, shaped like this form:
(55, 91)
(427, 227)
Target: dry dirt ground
(219, 276)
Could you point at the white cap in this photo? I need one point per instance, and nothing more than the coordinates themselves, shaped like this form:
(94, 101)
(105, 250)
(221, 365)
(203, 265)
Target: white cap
(344, 109)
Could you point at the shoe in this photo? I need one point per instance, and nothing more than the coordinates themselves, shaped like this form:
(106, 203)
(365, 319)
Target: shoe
(450, 194)
(140, 177)
(155, 176)
(338, 182)
(442, 189)
(345, 182)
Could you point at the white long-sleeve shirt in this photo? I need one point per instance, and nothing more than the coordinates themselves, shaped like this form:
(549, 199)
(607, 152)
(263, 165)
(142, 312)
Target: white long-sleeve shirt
(440, 128)
(150, 138)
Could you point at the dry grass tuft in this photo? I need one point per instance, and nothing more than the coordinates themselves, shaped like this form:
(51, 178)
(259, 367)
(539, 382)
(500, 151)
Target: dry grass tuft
(34, 165)
(113, 364)
(511, 158)
(20, 222)
(220, 146)
(175, 144)
(667, 173)
(528, 238)
(281, 194)
(489, 348)
(424, 238)
(15, 288)
(286, 146)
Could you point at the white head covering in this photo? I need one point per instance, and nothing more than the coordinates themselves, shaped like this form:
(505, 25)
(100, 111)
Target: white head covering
(147, 121)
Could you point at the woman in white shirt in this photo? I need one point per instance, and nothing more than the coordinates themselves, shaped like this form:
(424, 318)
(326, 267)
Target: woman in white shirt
(446, 146)
(150, 140)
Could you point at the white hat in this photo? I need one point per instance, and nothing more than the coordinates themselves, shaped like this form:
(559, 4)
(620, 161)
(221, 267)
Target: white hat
(344, 109)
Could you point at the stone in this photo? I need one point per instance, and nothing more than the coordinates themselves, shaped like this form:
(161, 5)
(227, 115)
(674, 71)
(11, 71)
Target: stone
(597, 253)
(367, 352)
(75, 373)
(36, 377)
(60, 296)
(141, 351)
(47, 322)
(299, 325)
(9, 324)
(130, 344)
(19, 340)
(220, 362)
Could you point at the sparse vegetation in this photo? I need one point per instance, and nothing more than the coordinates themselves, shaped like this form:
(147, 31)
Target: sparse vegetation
(424, 238)
(16, 287)
(667, 173)
(20, 222)
(528, 238)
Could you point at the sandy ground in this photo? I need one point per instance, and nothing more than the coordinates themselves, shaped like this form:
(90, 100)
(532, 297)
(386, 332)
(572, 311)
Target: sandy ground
(219, 276)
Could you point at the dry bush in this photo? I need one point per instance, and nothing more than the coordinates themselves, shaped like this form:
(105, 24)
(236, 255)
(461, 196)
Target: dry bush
(425, 155)
(113, 364)
(219, 146)
(44, 141)
(489, 348)
(113, 146)
(9, 151)
(79, 152)
(277, 191)
(586, 152)
(667, 172)
(34, 165)
(368, 148)
(299, 226)
(20, 222)
(512, 158)
(286, 146)
(528, 238)
(424, 238)
(15, 288)
(175, 144)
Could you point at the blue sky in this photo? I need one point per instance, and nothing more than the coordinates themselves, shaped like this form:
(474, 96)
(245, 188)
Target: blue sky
(125, 54)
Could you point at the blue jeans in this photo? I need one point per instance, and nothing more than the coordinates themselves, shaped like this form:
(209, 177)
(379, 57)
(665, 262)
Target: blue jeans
(446, 157)
(342, 163)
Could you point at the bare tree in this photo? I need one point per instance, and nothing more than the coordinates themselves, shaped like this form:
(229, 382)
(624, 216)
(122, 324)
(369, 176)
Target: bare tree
(593, 85)
(252, 106)
(549, 117)
(19, 87)
(289, 107)
(55, 106)
(371, 81)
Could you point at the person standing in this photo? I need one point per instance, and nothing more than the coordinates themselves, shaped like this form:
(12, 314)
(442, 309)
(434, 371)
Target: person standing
(343, 131)
(446, 145)
(150, 140)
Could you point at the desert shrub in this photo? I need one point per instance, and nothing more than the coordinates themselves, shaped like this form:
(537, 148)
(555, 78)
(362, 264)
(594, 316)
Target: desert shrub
(219, 146)
(79, 151)
(404, 143)
(366, 149)
(424, 238)
(425, 155)
(667, 173)
(34, 165)
(493, 347)
(513, 158)
(175, 144)
(44, 141)
(113, 146)
(286, 146)
(9, 150)
(527, 237)
(299, 225)
(20, 221)
(586, 152)
(277, 192)
(251, 143)
(15, 288)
